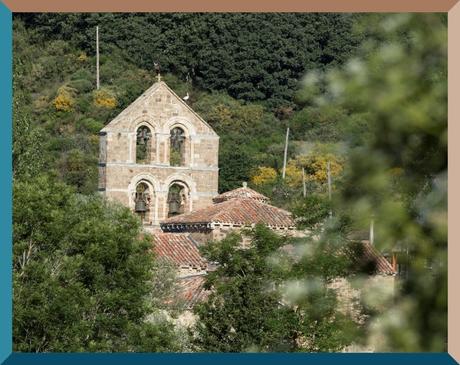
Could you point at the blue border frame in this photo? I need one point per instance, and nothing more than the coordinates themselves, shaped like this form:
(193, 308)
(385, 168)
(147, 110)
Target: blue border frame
(9, 358)
(6, 91)
(231, 359)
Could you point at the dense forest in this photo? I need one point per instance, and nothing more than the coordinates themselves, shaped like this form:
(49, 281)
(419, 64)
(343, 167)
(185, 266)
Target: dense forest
(242, 72)
(364, 93)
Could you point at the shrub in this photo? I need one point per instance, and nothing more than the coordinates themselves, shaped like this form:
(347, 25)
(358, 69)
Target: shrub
(90, 125)
(105, 99)
(81, 85)
(64, 100)
(264, 175)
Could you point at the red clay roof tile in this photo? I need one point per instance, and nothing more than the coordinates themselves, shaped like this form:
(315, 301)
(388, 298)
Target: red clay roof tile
(192, 291)
(179, 248)
(236, 211)
(243, 192)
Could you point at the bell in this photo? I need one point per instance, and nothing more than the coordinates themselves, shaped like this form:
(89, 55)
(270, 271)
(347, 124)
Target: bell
(140, 206)
(174, 207)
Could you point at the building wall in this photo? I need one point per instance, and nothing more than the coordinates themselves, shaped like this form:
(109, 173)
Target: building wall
(375, 291)
(219, 232)
(160, 110)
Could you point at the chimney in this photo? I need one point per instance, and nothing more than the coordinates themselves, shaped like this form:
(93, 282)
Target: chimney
(245, 184)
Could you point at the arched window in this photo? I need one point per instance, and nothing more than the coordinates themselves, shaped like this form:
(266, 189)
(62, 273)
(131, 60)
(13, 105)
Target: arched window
(177, 199)
(142, 201)
(177, 147)
(143, 144)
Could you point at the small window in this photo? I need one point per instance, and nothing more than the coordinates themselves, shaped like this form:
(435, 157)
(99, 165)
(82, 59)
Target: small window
(143, 145)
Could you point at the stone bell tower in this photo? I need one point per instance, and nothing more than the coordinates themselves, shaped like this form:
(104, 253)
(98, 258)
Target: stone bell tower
(158, 157)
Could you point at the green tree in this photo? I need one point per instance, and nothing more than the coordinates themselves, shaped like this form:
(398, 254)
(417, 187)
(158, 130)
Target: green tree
(253, 56)
(398, 174)
(245, 310)
(268, 298)
(311, 211)
(82, 274)
(27, 138)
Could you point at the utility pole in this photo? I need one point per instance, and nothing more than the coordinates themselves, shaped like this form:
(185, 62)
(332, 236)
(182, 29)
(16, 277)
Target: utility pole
(97, 57)
(329, 184)
(285, 153)
(371, 232)
(303, 183)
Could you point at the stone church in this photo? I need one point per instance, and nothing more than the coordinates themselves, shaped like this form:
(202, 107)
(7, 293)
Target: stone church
(159, 157)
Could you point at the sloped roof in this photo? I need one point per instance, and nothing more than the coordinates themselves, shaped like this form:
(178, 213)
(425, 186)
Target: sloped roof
(364, 256)
(179, 249)
(192, 291)
(235, 211)
(370, 259)
(243, 192)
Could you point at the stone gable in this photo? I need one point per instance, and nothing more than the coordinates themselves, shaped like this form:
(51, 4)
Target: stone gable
(147, 127)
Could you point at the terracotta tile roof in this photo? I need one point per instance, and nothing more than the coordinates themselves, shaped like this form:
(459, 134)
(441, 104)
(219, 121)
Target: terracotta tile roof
(179, 248)
(243, 192)
(192, 291)
(364, 256)
(370, 259)
(236, 211)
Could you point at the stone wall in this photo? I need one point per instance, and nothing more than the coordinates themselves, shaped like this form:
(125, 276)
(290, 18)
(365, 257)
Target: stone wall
(160, 110)
(374, 291)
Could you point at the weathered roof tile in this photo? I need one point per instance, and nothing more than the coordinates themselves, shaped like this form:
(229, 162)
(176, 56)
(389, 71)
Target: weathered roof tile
(179, 248)
(235, 211)
(243, 192)
(192, 291)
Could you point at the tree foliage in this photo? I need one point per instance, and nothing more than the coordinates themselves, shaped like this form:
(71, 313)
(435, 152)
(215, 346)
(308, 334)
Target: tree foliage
(398, 174)
(255, 57)
(259, 302)
(245, 311)
(81, 274)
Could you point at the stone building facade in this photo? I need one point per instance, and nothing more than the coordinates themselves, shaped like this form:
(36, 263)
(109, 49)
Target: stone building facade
(159, 157)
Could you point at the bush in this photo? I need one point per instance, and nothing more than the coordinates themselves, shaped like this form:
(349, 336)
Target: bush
(105, 99)
(81, 85)
(89, 124)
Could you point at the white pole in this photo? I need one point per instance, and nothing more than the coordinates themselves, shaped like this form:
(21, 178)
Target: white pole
(97, 57)
(285, 153)
(303, 182)
(329, 184)
(371, 232)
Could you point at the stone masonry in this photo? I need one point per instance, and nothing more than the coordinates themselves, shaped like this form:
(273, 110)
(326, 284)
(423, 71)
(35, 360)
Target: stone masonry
(160, 110)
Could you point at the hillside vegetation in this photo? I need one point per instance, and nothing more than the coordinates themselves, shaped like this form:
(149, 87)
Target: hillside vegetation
(241, 70)
(365, 95)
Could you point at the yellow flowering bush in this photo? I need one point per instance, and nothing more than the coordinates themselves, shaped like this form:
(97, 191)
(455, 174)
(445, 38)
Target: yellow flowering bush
(293, 174)
(315, 166)
(264, 175)
(82, 57)
(105, 99)
(64, 100)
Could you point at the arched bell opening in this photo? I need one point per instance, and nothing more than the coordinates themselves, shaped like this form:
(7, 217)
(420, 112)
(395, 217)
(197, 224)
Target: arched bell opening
(143, 145)
(143, 202)
(178, 201)
(177, 147)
